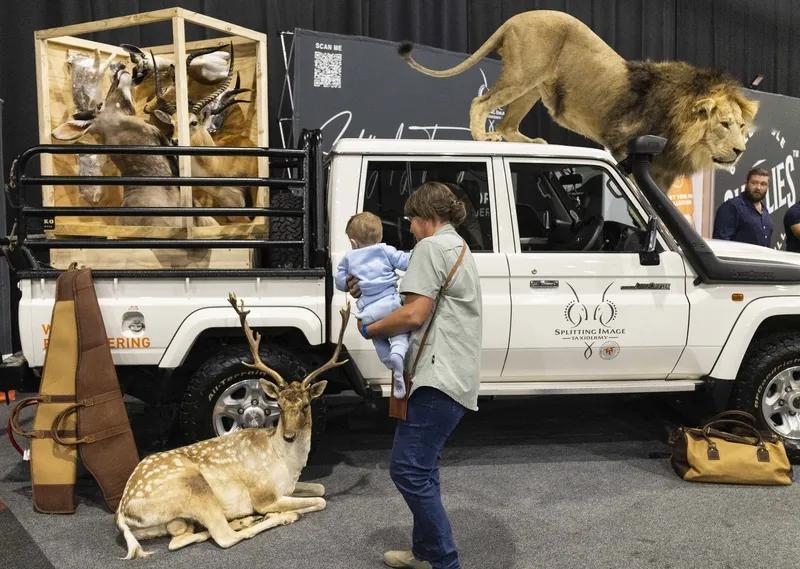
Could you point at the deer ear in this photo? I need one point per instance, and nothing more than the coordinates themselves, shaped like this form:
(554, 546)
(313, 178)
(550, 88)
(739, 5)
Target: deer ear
(269, 388)
(71, 130)
(317, 388)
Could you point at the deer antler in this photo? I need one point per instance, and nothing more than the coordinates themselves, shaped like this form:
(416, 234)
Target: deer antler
(332, 363)
(254, 340)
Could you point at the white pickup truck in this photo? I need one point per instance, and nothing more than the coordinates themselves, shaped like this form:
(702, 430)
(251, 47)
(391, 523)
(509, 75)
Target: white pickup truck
(591, 284)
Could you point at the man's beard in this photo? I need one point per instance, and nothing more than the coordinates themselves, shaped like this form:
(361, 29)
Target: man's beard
(754, 199)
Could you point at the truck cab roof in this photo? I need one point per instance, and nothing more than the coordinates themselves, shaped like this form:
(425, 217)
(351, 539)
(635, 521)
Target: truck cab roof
(369, 146)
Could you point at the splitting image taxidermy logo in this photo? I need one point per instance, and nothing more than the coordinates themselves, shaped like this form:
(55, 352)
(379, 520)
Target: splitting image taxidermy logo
(589, 323)
(576, 313)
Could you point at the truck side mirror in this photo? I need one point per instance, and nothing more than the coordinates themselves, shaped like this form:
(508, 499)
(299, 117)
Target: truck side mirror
(649, 256)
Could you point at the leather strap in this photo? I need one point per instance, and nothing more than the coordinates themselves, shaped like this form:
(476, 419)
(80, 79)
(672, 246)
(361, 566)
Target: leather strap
(436, 306)
(14, 418)
(93, 437)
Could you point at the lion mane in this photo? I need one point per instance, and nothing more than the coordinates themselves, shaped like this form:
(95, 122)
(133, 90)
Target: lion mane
(589, 88)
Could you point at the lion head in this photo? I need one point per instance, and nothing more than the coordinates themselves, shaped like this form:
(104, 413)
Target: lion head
(715, 130)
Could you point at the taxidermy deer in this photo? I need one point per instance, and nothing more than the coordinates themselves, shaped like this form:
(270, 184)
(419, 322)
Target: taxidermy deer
(207, 66)
(236, 485)
(201, 115)
(113, 122)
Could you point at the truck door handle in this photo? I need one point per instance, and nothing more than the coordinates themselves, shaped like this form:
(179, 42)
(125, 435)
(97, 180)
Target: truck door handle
(544, 283)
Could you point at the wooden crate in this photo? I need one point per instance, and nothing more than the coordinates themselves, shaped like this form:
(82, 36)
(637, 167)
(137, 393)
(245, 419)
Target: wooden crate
(55, 106)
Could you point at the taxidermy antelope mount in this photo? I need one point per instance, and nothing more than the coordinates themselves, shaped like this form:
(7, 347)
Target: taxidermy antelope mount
(207, 66)
(236, 485)
(201, 114)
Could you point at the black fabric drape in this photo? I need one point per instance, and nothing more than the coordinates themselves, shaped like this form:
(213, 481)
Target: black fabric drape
(743, 37)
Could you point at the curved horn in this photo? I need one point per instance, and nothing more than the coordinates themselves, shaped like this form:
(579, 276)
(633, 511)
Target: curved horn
(218, 91)
(228, 98)
(161, 103)
(200, 52)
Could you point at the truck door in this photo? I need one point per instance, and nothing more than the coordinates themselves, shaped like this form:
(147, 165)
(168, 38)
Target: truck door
(583, 305)
(386, 183)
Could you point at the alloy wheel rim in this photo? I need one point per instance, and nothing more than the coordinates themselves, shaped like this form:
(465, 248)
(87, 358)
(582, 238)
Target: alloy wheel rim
(243, 405)
(780, 403)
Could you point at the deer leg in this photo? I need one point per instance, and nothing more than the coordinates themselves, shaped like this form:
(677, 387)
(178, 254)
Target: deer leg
(308, 489)
(298, 505)
(184, 539)
(245, 522)
(182, 532)
(269, 522)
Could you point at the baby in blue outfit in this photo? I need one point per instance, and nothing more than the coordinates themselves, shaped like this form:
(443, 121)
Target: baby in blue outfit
(374, 264)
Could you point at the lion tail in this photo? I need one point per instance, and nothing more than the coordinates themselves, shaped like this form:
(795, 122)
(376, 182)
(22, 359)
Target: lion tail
(488, 47)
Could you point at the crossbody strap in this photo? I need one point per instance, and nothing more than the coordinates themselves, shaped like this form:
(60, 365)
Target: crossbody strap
(436, 306)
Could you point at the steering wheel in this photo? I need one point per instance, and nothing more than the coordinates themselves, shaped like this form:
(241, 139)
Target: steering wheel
(587, 232)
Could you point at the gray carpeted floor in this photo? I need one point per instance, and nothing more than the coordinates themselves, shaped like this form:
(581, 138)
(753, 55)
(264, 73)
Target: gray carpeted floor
(562, 482)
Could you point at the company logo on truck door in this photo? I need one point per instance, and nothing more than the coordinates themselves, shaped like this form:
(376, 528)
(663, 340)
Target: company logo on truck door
(590, 323)
(115, 343)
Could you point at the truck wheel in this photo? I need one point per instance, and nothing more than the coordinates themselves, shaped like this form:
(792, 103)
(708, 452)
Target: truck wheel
(768, 386)
(224, 396)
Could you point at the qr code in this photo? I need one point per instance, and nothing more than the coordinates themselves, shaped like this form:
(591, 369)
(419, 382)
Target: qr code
(327, 70)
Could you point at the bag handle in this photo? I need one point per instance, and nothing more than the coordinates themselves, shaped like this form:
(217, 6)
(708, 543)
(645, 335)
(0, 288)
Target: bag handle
(735, 414)
(713, 453)
(436, 306)
(60, 419)
(14, 418)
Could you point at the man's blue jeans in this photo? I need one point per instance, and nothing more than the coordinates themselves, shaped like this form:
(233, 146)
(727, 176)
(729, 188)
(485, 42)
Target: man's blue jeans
(418, 443)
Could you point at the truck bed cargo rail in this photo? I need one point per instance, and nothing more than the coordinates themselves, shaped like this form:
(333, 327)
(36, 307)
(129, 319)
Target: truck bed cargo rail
(303, 174)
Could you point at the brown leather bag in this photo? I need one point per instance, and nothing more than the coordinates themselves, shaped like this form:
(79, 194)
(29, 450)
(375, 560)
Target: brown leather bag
(714, 453)
(398, 408)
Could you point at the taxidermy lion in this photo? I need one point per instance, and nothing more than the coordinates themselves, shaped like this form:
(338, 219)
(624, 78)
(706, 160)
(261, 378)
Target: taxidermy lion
(588, 88)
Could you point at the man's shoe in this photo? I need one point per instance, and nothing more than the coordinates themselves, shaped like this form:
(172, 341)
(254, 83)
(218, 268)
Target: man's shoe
(404, 560)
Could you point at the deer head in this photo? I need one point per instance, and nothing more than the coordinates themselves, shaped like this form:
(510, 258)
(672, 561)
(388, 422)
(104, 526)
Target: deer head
(101, 119)
(294, 397)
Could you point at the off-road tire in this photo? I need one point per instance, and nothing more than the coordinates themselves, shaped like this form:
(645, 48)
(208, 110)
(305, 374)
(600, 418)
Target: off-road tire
(285, 229)
(222, 370)
(769, 356)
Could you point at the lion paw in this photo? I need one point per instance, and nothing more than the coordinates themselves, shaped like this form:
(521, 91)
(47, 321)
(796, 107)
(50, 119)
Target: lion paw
(494, 137)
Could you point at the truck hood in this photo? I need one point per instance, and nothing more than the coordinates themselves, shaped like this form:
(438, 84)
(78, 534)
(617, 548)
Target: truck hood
(735, 251)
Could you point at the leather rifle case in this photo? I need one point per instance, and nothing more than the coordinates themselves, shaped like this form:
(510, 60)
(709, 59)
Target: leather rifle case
(53, 465)
(105, 440)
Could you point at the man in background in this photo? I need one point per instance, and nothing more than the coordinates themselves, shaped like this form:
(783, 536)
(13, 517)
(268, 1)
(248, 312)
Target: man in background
(745, 218)
(791, 224)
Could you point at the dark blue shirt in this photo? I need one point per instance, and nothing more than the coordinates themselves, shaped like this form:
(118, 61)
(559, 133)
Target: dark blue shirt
(738, 220)
(792, 217)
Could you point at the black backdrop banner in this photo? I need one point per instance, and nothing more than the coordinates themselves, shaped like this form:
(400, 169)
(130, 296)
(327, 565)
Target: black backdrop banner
(775, 146)
(742, 37)
(357, 87)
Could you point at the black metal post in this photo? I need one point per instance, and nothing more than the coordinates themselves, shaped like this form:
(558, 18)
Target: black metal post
(6, 346)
